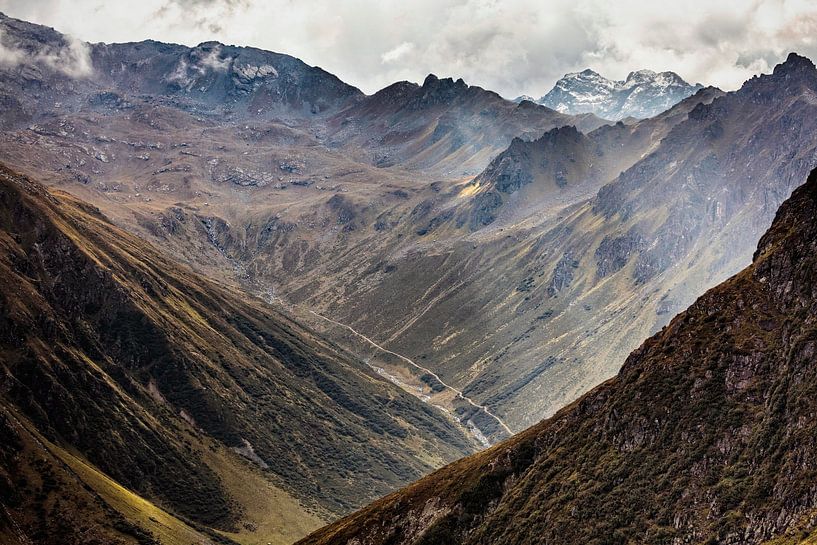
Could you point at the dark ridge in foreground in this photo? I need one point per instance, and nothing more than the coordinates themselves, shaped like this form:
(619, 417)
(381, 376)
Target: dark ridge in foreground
(130, 372)
(707, 435)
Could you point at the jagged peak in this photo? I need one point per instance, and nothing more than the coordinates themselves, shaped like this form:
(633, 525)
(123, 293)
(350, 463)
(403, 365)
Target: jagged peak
(433, 81)
(430, 80)
(397, 87)
(795, 216)
(797, 69)
(209, 44)
(794, 63)
(560, 132)
(644, 74)
(523, 98)
(586, 74)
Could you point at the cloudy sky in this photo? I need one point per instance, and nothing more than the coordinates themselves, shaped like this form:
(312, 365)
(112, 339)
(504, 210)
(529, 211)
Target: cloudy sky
(511, 46)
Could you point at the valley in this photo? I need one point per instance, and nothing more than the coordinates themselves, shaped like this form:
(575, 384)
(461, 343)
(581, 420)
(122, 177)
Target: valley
(243, 299)
(154, 386)
(355, 212)
(704, 435)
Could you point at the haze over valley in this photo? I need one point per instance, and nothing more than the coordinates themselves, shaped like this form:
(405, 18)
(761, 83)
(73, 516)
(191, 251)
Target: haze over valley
(242, 299)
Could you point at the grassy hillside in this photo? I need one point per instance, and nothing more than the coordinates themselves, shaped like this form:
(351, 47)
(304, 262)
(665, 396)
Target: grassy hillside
(198, 398)
(705, 436)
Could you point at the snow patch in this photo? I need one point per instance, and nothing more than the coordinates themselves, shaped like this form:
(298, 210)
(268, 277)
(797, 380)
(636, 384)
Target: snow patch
(644, 93)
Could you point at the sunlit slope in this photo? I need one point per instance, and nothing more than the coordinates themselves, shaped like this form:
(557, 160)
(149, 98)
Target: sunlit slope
(153, 374)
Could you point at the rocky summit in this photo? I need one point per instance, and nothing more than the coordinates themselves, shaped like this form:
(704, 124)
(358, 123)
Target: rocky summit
(642, 94)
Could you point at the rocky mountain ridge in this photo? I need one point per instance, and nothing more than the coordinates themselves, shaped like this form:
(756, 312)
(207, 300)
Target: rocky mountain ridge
(443, 126)
(63, 74)
(642, 94)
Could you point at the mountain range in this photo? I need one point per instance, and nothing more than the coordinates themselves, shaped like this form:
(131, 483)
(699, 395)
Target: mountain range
(299, 297)
(643, 94)
(310, 213)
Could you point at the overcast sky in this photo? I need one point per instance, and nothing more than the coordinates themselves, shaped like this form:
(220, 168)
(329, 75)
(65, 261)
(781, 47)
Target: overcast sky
(512, 46)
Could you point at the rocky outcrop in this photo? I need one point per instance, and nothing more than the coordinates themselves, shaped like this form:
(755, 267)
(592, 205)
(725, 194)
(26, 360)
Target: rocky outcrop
(209, 78)
(561, 157)
(613, 253)
(563, 274)
(557, 157)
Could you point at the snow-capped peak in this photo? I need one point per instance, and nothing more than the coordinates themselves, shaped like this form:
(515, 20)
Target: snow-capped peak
(644, 93)
(521, 98)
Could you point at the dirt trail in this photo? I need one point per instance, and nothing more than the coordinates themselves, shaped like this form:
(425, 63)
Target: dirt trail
(418, 366)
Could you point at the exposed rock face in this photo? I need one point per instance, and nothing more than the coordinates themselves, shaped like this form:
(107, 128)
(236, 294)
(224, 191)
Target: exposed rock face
(209, 78)
(696, 204)
(564, 162)
(706, 435)
(562, 275)
(613, 252)
(560, 157)
(441, 126)
(561, 152)
(643, 94)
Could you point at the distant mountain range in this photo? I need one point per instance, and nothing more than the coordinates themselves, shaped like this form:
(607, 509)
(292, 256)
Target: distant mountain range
(301, 289)
(643, 94)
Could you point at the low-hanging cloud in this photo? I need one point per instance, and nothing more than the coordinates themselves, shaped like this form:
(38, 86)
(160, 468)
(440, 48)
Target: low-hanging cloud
(9, 56)
(72, 59)
(214, 61)
(397, 53)
(512, 46)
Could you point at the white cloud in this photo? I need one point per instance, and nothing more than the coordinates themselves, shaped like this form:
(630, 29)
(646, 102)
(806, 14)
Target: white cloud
(397, 53)
(511, 46)
(214, 62)
(9, 56)
(73, 59)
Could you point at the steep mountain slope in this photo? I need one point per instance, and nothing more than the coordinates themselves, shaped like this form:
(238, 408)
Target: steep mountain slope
(705, 436)
(565, 164)
(444, 127)
(47, 71)
(565, 159)
(613, 267)
(467, 296)
(643, 94)
(198, 398)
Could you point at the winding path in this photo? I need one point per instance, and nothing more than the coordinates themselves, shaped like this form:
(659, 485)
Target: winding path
(418, 366)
